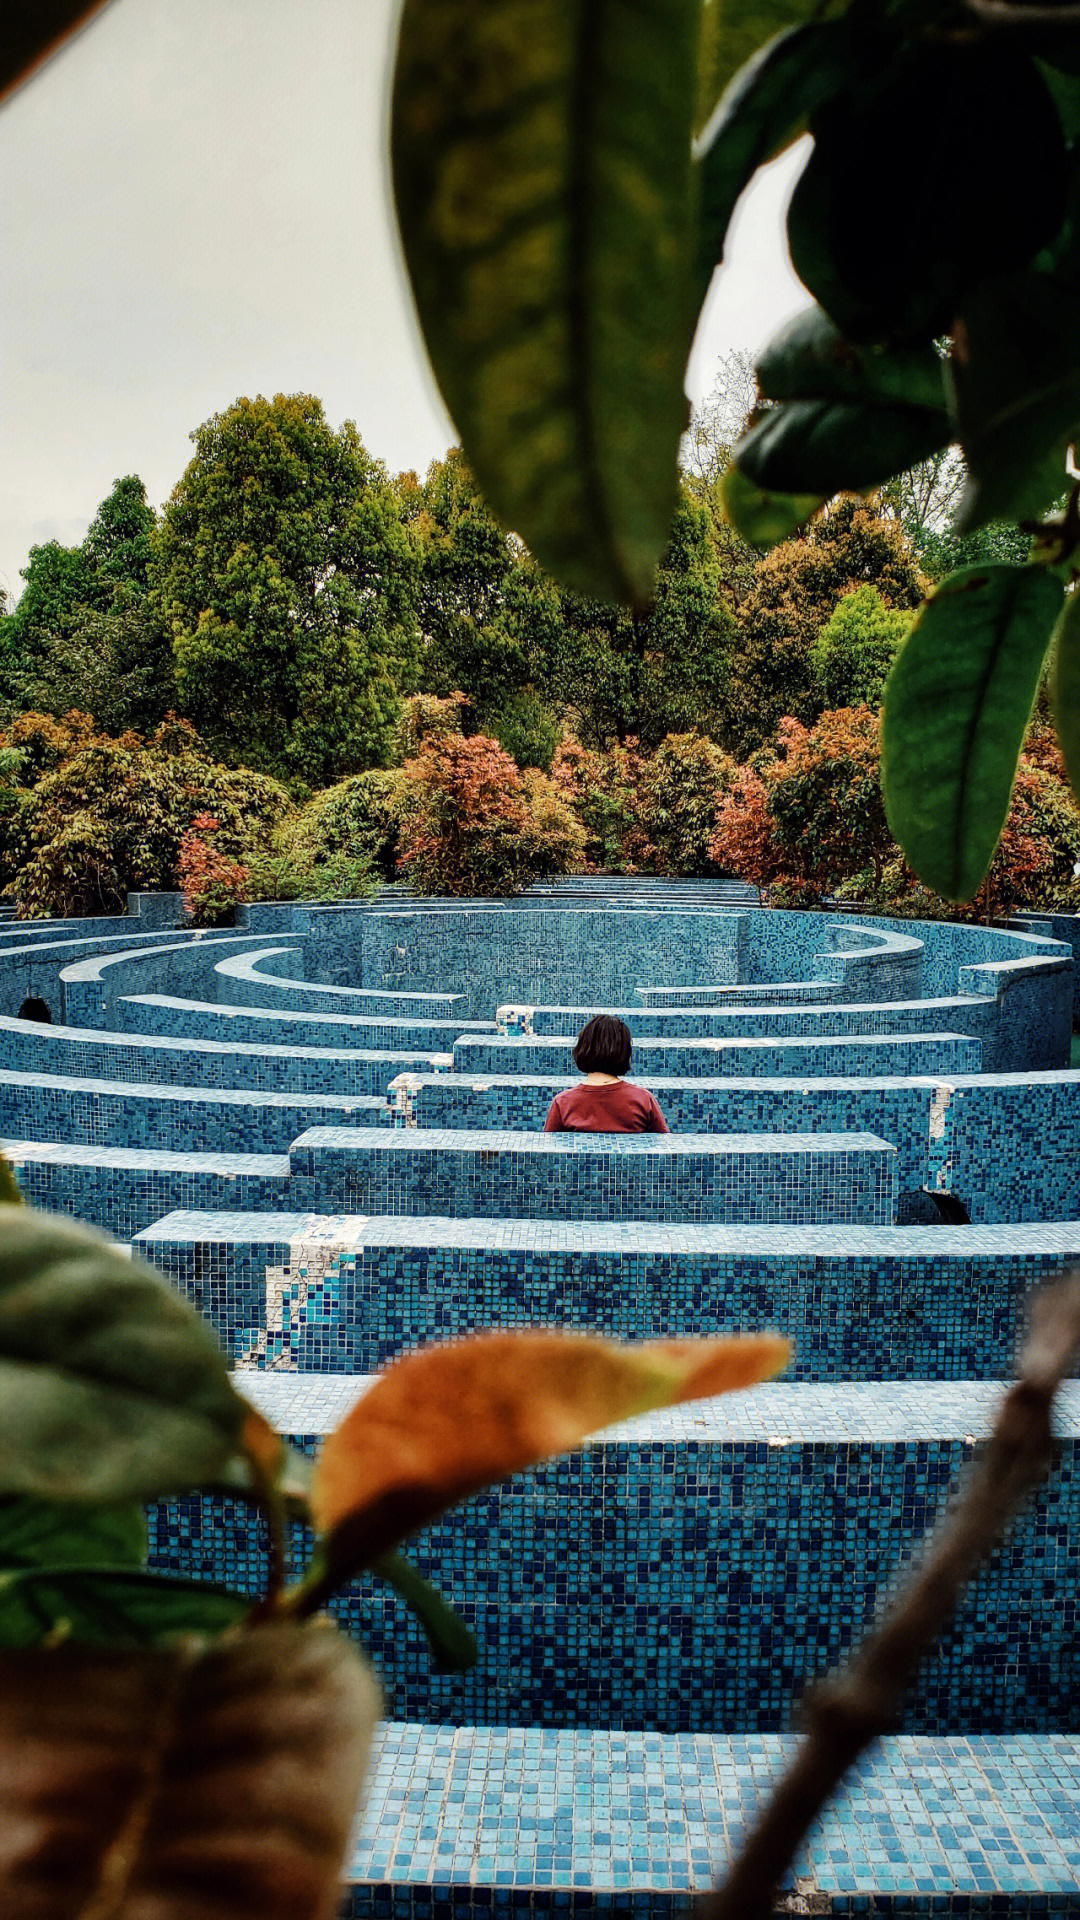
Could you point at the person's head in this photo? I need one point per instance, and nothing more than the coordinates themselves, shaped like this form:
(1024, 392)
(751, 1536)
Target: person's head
(603, 1046)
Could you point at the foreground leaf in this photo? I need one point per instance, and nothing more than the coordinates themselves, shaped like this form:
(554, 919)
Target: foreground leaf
(103, 1606)
(957, 704)
(453, 1647)
(446, 1420)
(810, 359)
(836, 446)
(891, 251)
(191, 1785)
(541, 159)
(34, 29)
(767, 101)
(1016, 365)
(47, 1533)
(111, 1386)
(760, 515)
(1066, 686)
(9, 1186)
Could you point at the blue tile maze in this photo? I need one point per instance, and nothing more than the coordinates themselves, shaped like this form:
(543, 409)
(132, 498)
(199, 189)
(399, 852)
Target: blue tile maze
(324, 1129)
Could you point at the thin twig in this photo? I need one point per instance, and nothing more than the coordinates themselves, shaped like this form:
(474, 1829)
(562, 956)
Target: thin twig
(864, 1699)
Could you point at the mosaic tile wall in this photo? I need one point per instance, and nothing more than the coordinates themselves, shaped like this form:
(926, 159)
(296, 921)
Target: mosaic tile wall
(209, 1119)
(859, 1304)
(509, 1822)
(122, 1190)
(180, 1062)
(717, 1555)
(745, 1177)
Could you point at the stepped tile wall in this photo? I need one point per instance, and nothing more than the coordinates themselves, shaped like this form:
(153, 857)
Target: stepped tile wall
(718, 1555)
(736, 1177)
(346, 1294)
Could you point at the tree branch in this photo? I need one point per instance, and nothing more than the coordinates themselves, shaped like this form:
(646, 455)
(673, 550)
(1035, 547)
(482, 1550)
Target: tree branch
(864, 1699)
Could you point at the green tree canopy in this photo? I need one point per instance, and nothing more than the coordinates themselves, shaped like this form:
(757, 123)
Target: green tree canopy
(856, 647)
(84, 634)
(796, 589)
(624, 675)
(288, 582)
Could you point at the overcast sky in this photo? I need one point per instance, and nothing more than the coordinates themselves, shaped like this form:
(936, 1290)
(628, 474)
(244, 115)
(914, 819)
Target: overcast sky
(196, 208)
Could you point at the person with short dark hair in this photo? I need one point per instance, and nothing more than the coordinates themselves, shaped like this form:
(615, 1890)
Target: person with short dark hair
(604, 1103)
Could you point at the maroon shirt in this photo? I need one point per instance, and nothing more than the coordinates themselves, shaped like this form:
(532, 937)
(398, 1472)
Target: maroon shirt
(614, 1107)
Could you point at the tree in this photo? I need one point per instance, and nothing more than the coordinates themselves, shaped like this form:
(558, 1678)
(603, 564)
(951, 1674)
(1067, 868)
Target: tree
(856, 647)
(796, 589)
(681, 786)
(624, 675)
(288, 582)
(84, 634)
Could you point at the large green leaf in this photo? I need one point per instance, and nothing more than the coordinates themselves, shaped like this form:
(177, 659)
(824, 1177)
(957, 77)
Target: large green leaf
(957, 704)
(105, 1606)
(1066, 686)
(761, 517)
(33, 29)
(810, 359)
(891, 250)
(837, 446)
(216, 1784)
(48, 1533)
(111, 1386)
(541, 160)
(768, 100)
(1016, 368)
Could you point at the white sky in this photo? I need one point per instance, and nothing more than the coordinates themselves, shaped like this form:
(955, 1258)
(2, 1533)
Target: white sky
(195, 207)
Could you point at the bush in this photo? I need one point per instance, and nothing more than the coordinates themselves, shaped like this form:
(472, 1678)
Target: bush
(602, 789)
(475, 825)
(681, 788)
(111, 819)
(426, 716)
(556, 837)
(809, 819)
(212, 884)
(357, 821)
(527, 730)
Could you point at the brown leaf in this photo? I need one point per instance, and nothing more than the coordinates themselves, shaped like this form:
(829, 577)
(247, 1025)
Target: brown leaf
(203, 1784)
(446, 1420)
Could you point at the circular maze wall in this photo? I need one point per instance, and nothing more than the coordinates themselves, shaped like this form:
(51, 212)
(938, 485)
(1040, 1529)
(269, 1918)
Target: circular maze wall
(325, 1128)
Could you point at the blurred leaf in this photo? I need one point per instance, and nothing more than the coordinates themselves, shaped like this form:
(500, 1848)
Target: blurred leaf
(541, 160)
(809, 359)
(190, 1785)
(768, 101)
(891, 251)
(733, 33)
(957, 705)
(102, 1606)
(1066, 686)
(1016, 367)
(291, 1476)
(9, 1186)
(33, 29)
(453, 1647)
(837, 446)
(43, 1533)
(111, 1386)
(761, 517)
(446, 1420)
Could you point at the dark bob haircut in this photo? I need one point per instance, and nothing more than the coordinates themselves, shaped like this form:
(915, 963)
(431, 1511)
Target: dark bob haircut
(603, 1046)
